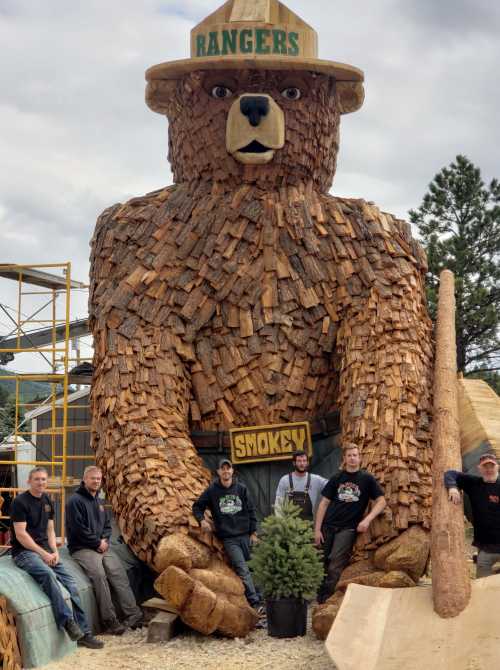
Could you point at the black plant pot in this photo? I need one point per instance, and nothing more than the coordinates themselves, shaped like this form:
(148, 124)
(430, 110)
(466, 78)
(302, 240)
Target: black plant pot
(286, 617)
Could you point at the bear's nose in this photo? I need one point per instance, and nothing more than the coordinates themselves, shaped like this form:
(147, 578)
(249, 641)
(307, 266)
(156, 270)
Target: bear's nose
(254, 107)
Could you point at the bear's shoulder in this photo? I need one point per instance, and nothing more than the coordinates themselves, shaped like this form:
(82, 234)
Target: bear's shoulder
(361, 220)
(137, 209)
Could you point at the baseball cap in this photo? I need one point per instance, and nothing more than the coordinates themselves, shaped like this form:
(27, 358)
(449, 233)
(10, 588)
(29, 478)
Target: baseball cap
(488, 458)
(224, 461)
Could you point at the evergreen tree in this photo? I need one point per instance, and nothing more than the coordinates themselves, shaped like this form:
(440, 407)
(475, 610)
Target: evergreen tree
(8, 418)
(285, 562)
(459, 224)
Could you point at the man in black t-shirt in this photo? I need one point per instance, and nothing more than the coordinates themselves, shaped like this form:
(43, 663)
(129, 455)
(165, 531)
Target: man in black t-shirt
(484, 496)
(339, 518)
(34, 550)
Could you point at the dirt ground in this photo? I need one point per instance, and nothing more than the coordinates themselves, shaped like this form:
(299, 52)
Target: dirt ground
(191, 651)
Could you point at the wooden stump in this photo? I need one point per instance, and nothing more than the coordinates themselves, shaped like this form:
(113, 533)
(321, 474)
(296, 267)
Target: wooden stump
(162, 627)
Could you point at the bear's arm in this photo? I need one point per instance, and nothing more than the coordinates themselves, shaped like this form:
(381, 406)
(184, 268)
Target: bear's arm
(385, 347)
(142, 390)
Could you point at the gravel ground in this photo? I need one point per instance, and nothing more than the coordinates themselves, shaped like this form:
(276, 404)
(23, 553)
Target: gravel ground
(190, 650)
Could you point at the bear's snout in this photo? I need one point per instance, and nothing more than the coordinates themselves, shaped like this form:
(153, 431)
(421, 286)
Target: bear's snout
(255, 129)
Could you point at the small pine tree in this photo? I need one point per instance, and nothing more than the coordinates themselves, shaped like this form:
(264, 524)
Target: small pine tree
(285, 562)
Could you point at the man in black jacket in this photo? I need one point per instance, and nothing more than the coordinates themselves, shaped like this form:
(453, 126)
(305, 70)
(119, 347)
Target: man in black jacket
(88, 529)
(484, 496)
(235, 523)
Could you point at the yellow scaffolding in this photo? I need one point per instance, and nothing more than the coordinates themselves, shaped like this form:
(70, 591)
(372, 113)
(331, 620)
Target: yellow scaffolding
(54, 292)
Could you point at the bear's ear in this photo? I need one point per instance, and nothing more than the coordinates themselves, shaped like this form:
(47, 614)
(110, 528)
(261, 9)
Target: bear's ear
(161, 95)
(350, 95)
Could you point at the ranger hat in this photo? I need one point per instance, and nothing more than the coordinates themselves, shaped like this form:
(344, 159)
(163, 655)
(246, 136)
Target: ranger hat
(261, 35)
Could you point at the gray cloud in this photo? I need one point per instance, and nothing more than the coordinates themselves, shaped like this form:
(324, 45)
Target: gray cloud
(455, 18)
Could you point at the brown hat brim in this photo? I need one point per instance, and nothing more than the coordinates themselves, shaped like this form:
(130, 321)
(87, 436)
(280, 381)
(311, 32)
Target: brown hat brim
(178, 68)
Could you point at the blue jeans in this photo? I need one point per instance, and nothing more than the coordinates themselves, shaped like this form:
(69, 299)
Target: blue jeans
(238, 552)
(49, 577)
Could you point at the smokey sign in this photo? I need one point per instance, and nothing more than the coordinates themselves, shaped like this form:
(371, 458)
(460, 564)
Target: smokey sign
(270, 443)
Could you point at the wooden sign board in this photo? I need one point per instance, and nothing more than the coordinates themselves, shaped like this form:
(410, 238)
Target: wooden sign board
(254, 444)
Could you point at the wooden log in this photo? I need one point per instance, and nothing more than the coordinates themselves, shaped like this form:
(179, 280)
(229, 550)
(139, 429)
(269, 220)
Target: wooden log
(450, 579)
(163, 627)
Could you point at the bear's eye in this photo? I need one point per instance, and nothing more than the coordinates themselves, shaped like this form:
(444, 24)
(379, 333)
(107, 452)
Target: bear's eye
(221, 92)
(291, 93)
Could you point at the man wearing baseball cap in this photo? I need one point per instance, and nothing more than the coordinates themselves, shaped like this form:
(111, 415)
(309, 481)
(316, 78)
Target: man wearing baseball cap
(484, 495)
(235, 522)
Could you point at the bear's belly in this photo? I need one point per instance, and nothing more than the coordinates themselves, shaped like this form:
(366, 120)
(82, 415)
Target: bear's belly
(281, 373)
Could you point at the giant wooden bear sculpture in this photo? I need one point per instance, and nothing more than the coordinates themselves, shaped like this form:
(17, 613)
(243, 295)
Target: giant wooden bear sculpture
(245, 294)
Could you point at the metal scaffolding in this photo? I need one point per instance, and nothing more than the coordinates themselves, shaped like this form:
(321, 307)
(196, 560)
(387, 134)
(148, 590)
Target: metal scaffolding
(47, 332)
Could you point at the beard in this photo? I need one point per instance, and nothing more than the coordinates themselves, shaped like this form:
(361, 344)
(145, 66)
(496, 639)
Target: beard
(301, 468)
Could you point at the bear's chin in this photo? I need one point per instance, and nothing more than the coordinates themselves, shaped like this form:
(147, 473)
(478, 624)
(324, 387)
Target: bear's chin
(248, 158)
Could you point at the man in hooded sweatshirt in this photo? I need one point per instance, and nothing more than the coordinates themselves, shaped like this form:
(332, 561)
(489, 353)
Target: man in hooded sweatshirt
(88, 530)
(235, 522)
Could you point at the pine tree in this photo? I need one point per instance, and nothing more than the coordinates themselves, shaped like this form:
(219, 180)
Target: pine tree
(8, 418)
(459, 224)
(285, 562)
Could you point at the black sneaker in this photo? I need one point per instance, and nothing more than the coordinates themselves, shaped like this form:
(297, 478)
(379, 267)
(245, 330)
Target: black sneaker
(73, 629)
(91, 642)
(114, 627)
(134, 621)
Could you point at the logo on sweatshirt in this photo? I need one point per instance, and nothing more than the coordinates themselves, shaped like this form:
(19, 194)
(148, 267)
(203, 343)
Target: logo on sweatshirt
(349, 492)
(230, 504)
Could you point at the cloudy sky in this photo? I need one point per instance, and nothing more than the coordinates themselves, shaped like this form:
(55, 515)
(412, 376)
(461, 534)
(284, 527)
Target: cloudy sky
(76, 136)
